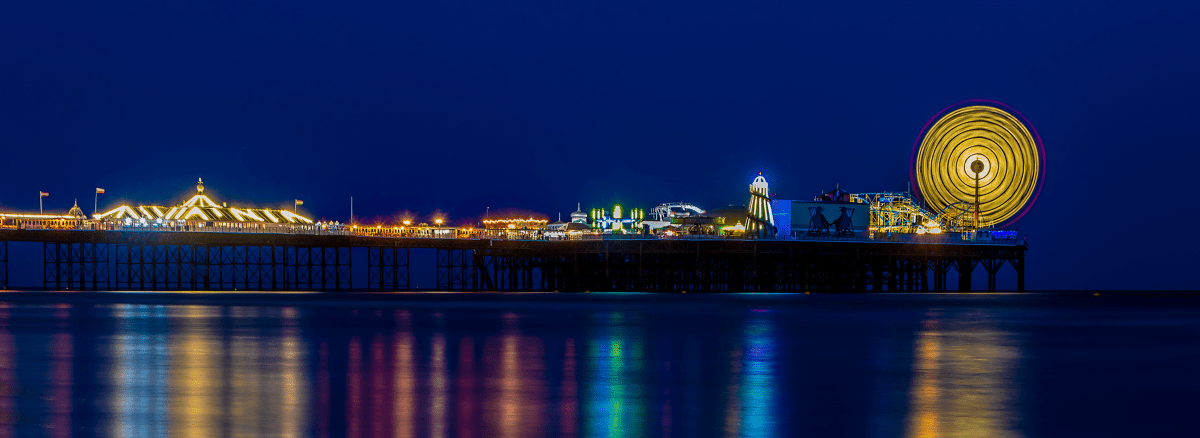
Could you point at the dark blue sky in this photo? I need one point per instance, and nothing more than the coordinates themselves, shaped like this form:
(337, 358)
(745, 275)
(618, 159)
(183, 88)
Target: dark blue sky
(538, 105)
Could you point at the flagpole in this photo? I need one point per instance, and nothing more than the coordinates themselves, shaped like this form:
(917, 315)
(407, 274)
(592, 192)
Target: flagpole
(96, 204)
(40, 202)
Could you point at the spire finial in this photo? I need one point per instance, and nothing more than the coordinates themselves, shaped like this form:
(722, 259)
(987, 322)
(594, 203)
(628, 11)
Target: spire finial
(200, 185)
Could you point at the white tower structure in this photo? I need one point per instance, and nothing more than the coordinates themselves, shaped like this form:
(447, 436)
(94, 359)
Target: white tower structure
(578, 216)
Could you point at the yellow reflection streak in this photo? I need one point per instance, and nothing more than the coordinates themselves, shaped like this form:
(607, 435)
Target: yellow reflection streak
(293, 377)
(518, 406)
(246, 378)
(962, 381)
(194, 381)
(405, 375)
(437, 383)
(925, 392)
(510, 395)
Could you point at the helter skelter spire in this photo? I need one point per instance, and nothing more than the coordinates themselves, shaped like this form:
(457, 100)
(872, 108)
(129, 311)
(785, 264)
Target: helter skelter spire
(759, 217)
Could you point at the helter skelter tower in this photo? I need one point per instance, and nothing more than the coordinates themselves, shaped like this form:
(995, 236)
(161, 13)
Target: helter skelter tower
(759, 217)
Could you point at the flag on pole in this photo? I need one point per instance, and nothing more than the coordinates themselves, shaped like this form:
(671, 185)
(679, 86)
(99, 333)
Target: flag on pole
(44, 194)
(299, 202)
(99, 190)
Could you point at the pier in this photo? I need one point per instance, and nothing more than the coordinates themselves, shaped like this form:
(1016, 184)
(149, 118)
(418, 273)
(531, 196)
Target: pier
(226, 261)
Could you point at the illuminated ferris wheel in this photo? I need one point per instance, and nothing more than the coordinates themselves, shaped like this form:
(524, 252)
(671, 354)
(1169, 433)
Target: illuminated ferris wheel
(978, 164)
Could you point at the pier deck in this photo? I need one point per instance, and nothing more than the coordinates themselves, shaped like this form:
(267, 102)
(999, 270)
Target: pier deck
(136, 260)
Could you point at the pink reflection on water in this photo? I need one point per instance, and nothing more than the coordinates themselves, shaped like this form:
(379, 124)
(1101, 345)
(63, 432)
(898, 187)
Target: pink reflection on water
(570, 391)
(437, 384)
(405, 375)
(8, 381)
(354, 390)
(380, 389)
(465, 391)
(62, 353)
(322, 402)
(514, 393)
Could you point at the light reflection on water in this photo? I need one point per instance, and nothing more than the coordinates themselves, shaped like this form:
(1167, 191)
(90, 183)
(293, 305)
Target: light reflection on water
(963, 379)
(510, 371)
(617, 356)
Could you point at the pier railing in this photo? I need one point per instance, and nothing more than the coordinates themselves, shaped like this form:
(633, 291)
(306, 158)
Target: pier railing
(323, 229)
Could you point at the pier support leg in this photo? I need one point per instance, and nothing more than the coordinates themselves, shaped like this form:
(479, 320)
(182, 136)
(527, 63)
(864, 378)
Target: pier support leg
(965, 268)
(1019, 265)
(992, 266)
(72, 266)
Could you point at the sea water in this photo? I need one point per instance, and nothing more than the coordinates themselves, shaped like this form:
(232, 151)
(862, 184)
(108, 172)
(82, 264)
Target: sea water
(598, 365)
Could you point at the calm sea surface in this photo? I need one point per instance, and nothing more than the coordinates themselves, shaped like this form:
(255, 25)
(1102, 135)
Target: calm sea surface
(598, 365)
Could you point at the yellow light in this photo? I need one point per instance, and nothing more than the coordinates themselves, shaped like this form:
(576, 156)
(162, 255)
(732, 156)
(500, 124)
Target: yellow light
(1008, 151)
(407, 222)
(294, 217)
(195, 211)
(438, 221)
(33, 216)
(511, 226)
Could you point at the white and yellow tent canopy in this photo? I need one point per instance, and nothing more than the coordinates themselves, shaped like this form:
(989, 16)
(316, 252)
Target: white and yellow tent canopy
(201, 208)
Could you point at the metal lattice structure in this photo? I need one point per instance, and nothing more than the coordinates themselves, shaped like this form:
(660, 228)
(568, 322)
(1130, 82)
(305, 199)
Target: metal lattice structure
(664, 212)
(895, 212)
(387, 269)
(75, 266)
(959, 216)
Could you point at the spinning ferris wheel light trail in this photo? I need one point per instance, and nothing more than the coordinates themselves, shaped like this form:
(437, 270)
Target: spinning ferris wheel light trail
(979, 164)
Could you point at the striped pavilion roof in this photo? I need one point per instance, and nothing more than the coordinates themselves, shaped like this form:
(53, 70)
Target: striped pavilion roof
(201, 207)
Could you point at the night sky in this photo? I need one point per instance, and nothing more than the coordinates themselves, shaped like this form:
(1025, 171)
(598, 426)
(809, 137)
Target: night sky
(457, 106)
